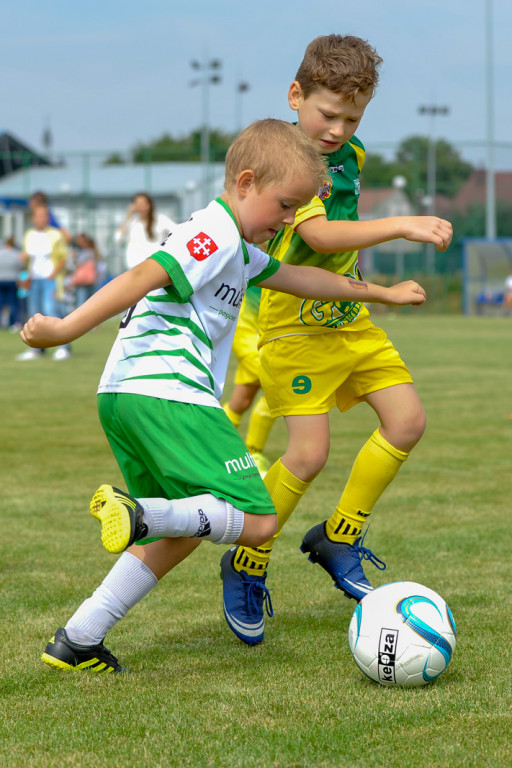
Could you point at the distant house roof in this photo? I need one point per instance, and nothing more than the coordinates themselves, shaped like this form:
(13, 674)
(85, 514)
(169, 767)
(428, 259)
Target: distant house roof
(474, 189)
(376, 202)
(15, 154)
(372, 198)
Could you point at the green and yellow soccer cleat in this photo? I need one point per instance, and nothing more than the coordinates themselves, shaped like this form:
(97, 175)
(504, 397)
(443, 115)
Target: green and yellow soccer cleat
(121, 518)
(61, 653)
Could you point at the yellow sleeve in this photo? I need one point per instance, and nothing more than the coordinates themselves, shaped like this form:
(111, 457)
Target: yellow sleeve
(313, 208)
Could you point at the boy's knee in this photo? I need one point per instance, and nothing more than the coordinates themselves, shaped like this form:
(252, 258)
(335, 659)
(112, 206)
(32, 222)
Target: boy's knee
(306, 461)
(258, 532)
(418, 423)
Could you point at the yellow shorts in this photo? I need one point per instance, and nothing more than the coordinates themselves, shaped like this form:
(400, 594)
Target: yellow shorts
(245, 347)
(305, 375)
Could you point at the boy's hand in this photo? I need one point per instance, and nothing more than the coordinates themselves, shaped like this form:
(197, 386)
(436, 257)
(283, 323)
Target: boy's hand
(428, 229)
(40, 331)
(408, 292)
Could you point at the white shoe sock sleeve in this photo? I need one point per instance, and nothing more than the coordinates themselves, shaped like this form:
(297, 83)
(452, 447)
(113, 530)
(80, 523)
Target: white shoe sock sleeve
(124, 586)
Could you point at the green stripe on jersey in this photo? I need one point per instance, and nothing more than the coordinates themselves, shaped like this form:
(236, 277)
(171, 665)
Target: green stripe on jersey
(175, 353)
(177, 376)
(184, 322)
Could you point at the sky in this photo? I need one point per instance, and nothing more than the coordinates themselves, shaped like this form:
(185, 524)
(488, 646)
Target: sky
(108, 74)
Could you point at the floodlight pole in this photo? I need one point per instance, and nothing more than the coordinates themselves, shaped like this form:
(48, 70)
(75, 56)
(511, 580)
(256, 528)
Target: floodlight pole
(242, 87)
(433, 110)
(210, 76)
(490, 187)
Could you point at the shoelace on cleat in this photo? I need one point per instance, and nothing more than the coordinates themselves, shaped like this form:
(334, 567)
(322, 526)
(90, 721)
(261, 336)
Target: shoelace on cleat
(363, 553)
(256, 591)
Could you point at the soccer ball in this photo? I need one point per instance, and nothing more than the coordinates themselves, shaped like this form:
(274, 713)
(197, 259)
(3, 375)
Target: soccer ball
(402, 634)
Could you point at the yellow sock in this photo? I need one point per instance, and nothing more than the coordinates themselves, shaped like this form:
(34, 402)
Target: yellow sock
(235, 418)
(374, 468)
(286, 491)
(260, 424)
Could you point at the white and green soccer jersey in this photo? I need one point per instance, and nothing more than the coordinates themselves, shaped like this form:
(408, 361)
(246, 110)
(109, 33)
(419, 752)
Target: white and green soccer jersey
(175, 343)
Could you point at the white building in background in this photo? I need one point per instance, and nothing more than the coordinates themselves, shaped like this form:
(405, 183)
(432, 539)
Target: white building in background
(86, 196)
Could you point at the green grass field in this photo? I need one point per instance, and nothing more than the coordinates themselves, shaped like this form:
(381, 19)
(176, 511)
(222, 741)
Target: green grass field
(197, 695)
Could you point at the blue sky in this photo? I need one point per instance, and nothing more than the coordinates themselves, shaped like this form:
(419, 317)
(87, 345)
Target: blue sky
(108, 74)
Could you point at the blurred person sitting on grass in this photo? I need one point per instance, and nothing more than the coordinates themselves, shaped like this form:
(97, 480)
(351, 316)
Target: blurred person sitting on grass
(187, 470)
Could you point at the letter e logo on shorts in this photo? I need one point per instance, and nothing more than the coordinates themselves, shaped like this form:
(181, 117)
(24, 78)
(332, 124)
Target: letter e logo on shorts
(301, 385)
(201, 246)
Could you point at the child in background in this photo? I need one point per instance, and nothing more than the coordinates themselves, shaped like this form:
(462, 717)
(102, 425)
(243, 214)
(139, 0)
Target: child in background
(318, 354)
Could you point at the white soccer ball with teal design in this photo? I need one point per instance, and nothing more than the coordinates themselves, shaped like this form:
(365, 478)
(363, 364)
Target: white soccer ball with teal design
(402, 634)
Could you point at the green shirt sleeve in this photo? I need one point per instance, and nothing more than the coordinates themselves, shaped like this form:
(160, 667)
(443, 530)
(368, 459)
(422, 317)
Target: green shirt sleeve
(180, 290)
(270, 269)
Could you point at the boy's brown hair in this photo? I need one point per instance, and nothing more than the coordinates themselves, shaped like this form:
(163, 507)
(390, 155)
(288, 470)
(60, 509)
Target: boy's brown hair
(275, 150)
(343, 64)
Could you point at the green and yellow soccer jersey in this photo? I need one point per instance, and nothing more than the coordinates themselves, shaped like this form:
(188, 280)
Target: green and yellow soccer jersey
(282, 314)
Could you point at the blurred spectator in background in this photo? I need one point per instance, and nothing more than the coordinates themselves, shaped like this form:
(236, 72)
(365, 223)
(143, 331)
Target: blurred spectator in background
(507, 294)
(85, 277)
(41, 198)
(22, 288)
(143, 230)
(10, 265)
(45, 252)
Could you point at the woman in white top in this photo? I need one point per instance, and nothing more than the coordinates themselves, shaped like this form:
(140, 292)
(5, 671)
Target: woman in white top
(143, 230)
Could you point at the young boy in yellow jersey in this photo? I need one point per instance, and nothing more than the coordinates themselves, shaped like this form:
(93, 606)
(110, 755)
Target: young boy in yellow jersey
(316, 355)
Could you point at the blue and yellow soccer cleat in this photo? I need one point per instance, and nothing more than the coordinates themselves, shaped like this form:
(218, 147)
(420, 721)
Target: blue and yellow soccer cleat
(121, 518)
(245, 597)
(341, 561)
(61, 653)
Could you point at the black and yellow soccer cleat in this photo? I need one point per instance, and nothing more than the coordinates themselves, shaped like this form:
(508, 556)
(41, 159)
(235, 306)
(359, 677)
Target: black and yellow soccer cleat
(61, 653)
(121, 518)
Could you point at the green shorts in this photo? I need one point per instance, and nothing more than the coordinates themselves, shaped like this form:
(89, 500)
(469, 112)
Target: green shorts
(175, 450)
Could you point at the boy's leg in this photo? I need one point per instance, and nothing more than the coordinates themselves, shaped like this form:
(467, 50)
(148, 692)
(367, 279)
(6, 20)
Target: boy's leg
(336, 544)
(244, 569)
(240, 401)
(299, 387)
(288, 480)
(402, 423)
(212, 488)
(126, 520)
(260, 424)
(79, 645)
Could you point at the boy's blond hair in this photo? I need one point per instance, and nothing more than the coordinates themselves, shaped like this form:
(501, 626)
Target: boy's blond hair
(276, 151)
(343, 64)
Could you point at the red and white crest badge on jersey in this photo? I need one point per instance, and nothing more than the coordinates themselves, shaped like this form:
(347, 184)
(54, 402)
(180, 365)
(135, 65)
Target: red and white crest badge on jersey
(201, 246)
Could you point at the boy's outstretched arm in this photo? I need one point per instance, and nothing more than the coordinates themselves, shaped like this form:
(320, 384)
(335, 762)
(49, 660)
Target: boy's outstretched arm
(326, 236)
(115, 297)
(316, 283)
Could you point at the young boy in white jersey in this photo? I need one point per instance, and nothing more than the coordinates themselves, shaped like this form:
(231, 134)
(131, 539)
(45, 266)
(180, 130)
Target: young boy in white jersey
(186, 468)
(316, 355)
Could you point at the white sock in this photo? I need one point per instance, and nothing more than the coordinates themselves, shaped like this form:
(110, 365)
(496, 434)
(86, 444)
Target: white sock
(127, 583)
(204, 516)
